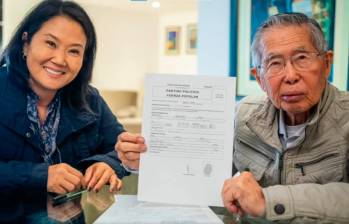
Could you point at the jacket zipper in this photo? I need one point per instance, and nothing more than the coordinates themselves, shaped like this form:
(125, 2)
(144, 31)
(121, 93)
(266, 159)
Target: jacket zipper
(249, 143)
(303, 164)
(281, 166)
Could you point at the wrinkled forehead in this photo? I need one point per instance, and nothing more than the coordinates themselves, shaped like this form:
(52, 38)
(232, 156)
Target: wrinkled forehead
(285, 40)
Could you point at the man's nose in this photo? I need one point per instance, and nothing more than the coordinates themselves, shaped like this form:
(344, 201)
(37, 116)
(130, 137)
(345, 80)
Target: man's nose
(291, 74)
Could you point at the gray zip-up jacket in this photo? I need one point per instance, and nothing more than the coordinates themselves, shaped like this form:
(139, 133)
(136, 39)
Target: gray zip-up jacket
(308, 183)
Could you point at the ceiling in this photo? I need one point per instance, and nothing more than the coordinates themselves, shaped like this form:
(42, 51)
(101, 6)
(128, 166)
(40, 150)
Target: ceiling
(145, 5)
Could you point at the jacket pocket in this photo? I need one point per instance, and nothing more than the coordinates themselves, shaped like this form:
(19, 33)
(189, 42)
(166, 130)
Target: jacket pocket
(247, 157)
(321, 169)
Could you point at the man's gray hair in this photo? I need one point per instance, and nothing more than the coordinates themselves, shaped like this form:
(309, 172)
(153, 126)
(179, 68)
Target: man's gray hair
(287, 19)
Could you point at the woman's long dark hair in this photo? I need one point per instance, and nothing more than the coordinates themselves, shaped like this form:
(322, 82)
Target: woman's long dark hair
(75, 93)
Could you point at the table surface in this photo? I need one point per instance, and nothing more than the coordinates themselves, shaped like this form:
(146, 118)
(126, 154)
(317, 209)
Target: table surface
(89, 206)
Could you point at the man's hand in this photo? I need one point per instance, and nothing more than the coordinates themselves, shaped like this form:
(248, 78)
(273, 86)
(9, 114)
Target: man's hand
(129, 147)
(62, 178)
(99, 174)
(242, 194)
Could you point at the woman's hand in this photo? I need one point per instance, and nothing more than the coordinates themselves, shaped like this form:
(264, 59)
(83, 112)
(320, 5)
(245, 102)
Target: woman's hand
(129, 147)
(99, 174)
(62, 178)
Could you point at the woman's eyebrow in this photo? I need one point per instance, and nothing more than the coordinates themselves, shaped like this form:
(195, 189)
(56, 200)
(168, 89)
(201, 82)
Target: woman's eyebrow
(57, 39)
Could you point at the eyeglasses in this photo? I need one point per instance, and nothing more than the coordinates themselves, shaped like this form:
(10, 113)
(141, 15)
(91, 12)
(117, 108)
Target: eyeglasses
(301, 61)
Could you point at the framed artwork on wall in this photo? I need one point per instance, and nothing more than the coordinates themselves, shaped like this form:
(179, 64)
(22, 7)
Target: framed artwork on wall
(172, 40)
(251, 13)
(191, 40)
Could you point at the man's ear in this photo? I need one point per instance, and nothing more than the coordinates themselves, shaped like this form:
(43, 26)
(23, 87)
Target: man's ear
(328, 63)
(255, 73)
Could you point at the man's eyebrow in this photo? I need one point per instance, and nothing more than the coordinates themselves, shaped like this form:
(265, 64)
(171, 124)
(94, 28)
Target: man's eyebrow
(300, 49)
(273, 55)
(54, 37)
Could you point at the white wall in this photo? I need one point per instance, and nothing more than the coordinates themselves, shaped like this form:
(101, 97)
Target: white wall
(13, 13)
(176, 64)
(127, 47)
(214, 34)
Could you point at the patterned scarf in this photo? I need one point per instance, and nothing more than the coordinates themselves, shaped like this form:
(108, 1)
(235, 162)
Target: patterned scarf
(49, 128)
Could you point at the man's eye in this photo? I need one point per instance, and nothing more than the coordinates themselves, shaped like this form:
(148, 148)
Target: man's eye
(300, 57)
(274, 64)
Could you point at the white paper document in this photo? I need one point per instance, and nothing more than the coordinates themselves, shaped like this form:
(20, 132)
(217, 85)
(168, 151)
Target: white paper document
(127, 210)
(188, 126)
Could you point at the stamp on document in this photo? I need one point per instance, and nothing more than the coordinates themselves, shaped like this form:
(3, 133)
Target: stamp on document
(207, 170)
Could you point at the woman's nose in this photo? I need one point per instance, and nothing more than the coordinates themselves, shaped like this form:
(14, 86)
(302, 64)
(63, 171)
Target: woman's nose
(59, 58)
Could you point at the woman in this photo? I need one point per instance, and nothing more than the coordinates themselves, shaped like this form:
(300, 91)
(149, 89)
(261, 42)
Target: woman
(57, 134)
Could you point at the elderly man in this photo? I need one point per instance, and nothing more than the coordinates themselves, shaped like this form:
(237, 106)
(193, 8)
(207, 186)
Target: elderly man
(295, 140)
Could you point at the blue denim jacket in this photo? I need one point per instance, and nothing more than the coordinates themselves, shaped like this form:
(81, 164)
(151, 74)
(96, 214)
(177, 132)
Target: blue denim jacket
(83, 138)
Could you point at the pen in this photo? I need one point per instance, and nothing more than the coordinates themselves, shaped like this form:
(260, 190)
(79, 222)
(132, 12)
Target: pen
(67, 197)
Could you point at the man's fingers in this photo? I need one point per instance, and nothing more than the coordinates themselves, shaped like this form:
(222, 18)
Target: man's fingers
(230, 196)
(241, 212)
(243, 194)
(232, 208)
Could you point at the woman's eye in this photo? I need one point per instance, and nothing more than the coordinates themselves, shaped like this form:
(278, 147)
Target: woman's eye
(75, 52)
(51, 43)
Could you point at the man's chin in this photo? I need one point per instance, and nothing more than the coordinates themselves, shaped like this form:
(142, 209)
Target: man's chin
(295, 108)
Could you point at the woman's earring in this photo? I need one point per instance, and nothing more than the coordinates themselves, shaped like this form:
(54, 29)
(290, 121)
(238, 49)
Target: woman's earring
(24, 56)
(24, 39)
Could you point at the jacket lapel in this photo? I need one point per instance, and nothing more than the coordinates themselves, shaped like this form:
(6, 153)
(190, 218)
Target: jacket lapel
(265, 125)
(72, 121)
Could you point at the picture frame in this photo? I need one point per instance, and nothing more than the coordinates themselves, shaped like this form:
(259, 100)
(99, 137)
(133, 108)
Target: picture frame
(191, 39)
(247, 85)
(172, 40)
